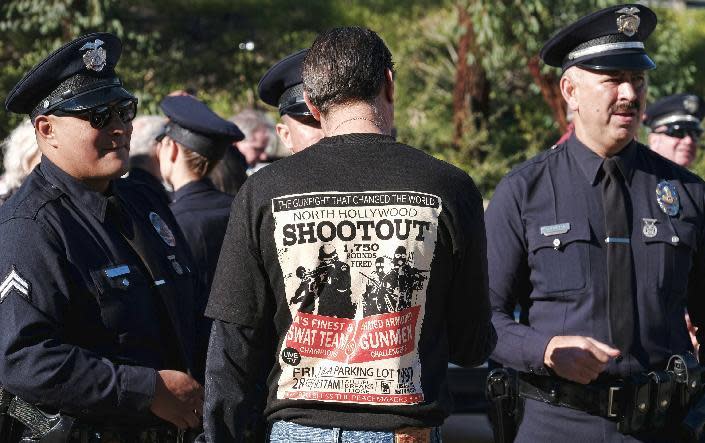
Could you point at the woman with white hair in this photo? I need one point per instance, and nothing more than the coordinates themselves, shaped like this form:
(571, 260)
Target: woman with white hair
(20, 155)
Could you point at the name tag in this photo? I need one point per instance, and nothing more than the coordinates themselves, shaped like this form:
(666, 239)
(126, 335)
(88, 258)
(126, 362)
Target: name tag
(117, 271)
(561, 228)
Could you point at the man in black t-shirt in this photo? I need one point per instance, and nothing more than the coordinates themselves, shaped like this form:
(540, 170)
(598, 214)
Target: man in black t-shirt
(325, 216)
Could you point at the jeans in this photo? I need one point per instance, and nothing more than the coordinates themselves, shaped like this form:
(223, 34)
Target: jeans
(287, 432)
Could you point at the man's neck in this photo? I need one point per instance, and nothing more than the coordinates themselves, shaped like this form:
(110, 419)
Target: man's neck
(352, 119)
(181, 178)
(601, 148)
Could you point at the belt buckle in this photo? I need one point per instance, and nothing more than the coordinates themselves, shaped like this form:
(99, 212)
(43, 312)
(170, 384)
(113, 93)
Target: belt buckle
(610, 401)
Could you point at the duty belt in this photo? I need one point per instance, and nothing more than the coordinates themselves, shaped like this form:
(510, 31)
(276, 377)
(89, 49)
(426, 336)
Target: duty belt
(637, 403)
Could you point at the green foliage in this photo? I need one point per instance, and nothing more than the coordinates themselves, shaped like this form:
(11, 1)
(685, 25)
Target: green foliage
(195, 44)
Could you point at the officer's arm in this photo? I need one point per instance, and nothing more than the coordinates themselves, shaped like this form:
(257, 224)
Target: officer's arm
(36, 363)
(520, 347)
(470, 332)
(696, 292)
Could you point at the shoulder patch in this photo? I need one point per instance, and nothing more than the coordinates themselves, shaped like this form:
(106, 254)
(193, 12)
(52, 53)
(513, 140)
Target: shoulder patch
(14, 281)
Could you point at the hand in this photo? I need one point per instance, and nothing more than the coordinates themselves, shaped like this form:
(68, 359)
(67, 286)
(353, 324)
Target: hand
(577, 358)
(692, 330)
(178, 399)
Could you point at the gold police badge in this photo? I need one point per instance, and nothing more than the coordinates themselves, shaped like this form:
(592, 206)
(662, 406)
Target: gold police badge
(628, 22)
(95, 56)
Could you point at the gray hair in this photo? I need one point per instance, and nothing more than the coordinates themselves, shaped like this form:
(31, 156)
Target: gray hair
(250, 120)
(19, 148)
(145, 129)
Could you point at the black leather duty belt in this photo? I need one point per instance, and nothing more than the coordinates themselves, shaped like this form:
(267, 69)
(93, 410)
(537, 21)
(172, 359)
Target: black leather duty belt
(636, 403)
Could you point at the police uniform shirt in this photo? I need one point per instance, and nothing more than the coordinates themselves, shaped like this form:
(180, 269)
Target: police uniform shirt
(83, 327)
(546, 252)
(202, 213)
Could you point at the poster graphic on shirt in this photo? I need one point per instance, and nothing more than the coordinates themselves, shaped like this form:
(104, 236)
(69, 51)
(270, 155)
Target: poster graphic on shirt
(356, 267)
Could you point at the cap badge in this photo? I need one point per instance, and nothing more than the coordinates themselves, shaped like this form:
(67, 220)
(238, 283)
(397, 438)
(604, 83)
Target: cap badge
(650, 230)
(95, 57)
(162, 229)
(690, 103)
(667, 198)
(628, 23)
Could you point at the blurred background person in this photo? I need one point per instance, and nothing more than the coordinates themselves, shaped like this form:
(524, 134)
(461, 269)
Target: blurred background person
(675, 129)
(20, 155)
(194, 140)
(282, 86)
(258, 129)
(143, 163)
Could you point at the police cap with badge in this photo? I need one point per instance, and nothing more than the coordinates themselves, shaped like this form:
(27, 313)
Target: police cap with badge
(609, 39)
(282, 86)
(193, 125)
(681, 115)
(78, 79)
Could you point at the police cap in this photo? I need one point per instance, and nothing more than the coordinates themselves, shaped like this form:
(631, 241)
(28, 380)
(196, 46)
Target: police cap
(196, 127)
(686, 110)
(282, 85)
(80, 75)
(609, 39)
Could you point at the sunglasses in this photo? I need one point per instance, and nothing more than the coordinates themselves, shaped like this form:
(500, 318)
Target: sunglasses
(99, 116)
(678, 131)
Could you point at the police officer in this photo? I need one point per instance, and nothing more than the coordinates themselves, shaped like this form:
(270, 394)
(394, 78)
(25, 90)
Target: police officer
(599, 240)
(282, 86)
(675, 127)
(96, 292)
(191, 145)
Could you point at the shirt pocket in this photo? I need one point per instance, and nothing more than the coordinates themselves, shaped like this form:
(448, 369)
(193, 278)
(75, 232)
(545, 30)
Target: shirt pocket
(670, 256)
(124, 297)
(559, 263)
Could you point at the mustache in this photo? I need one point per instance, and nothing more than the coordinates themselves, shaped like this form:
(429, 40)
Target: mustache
(622, 107)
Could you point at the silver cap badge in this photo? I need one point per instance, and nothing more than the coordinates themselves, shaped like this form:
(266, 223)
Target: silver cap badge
(690, 103)
(95, 57)
(628, 22)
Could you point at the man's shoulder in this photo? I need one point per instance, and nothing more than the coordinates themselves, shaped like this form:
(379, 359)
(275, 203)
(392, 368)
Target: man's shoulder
(33, 197)
(666, 168)
(536, 164)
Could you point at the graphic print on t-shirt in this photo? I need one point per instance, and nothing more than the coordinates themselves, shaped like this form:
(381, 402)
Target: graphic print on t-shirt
(356, 267)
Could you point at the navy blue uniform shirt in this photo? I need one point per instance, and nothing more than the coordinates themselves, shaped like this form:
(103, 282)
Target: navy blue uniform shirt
(83, 325)
(202, 212)
(562, 289)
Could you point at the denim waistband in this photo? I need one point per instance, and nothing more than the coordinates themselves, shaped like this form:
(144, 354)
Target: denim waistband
(288, 432)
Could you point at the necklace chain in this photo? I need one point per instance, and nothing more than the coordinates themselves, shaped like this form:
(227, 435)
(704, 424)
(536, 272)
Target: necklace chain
(353, 119)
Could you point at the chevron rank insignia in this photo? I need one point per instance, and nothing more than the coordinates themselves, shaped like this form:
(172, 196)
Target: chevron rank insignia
(14, 281)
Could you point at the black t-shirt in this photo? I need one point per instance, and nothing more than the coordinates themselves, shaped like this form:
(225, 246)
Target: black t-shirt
(367, 258)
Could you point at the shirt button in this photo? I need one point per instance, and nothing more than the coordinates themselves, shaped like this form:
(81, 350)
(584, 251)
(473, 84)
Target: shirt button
(125, 282)
(675, 239)
(556, 243)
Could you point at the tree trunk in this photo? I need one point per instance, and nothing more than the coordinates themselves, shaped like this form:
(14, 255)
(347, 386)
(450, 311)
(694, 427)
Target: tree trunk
(551, 92)
(471, 90)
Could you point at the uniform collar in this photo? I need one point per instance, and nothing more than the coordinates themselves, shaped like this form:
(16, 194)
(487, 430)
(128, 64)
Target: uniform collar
(91, 200)
(591, 163)
(194, 187)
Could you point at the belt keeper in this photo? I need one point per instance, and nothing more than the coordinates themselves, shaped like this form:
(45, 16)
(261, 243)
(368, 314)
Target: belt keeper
(635, 404)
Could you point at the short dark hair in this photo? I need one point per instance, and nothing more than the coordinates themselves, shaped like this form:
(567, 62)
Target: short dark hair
(345, 65)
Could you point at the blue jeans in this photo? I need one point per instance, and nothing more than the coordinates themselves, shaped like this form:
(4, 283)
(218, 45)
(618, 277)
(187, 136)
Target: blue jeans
(287, 432)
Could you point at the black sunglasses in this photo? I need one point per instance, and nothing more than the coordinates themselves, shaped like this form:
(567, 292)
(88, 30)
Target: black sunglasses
(679, 131)
(99, 116)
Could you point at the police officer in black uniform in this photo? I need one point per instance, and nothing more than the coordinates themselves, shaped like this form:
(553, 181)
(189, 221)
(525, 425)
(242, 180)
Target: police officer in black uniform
(282, 86)
(599, 240)
(96, 291)
(675, 128)
(193, 142)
